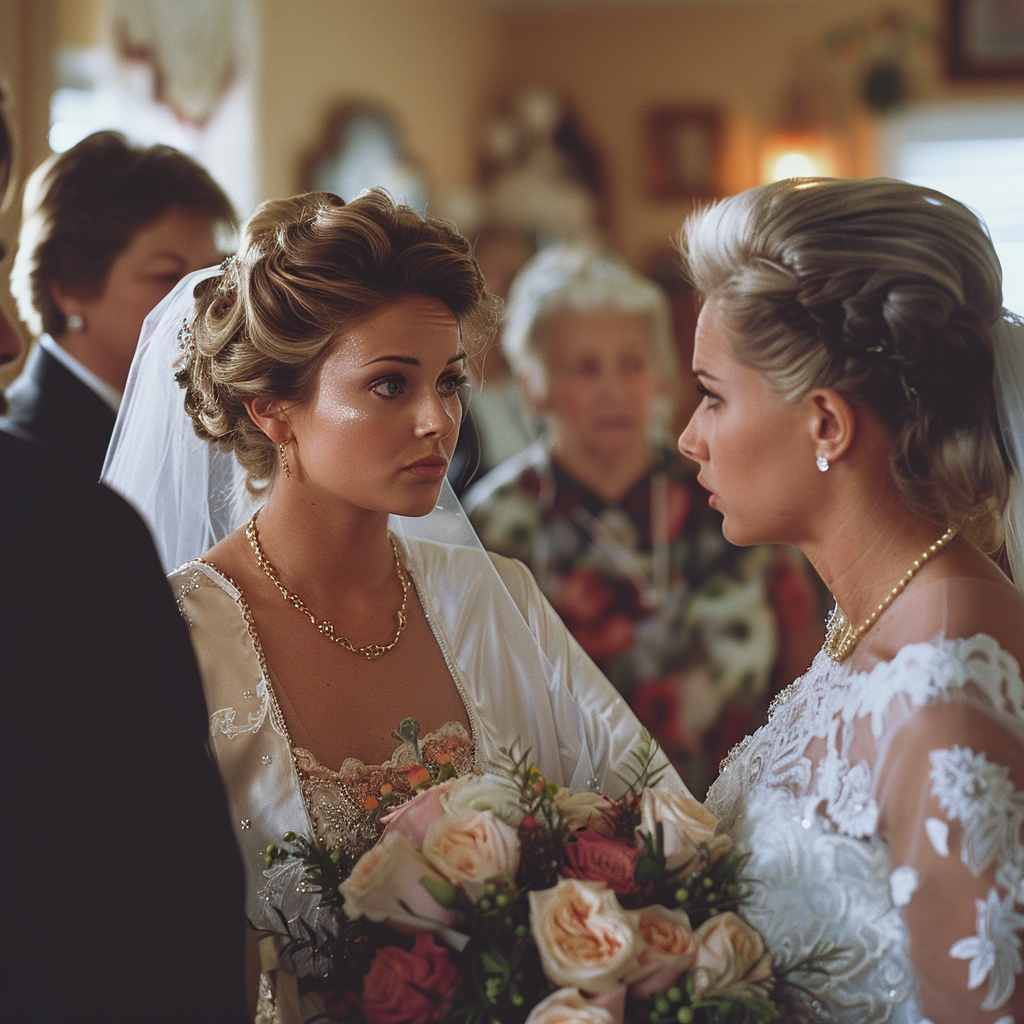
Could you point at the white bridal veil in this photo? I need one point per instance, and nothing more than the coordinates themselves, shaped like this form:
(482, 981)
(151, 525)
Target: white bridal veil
(1008, 342)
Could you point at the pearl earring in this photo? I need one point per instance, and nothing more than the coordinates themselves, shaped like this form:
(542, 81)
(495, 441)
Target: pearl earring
(282, 450)
(76, 323)
(822, 463)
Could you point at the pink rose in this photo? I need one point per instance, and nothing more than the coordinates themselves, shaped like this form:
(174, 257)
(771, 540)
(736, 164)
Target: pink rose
(570, 1006)
(594, 858)
(730, 951)
(414, 986)
(415, 816)
(471, 847)
(668, 946)
(386, 884)
(584, 938)
(686, 825)
(586, 810)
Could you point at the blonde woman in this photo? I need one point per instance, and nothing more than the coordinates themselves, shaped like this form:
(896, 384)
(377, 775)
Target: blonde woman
(863, 400)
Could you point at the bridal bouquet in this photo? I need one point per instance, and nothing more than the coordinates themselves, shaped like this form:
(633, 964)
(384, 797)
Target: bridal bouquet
(503, 898)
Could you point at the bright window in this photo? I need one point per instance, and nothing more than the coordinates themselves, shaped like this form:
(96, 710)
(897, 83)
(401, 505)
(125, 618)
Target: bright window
(973, 152)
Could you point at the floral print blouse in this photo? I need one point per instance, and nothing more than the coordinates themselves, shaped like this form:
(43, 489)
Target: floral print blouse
(685, 625)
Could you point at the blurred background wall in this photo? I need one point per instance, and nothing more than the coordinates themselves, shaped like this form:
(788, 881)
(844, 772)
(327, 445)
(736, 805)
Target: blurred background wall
(636, 109)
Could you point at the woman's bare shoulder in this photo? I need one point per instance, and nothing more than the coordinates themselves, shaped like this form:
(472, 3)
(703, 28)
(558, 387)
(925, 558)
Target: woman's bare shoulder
(969, 596)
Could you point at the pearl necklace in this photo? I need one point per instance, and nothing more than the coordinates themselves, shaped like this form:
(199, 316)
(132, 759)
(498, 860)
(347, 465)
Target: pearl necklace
(370, 651)
(841, 637)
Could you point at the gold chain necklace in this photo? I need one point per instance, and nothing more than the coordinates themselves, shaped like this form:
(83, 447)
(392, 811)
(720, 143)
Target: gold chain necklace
(370, 651)
(841, 637)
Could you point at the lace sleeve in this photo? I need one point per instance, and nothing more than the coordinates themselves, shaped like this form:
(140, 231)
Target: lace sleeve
(952, 817)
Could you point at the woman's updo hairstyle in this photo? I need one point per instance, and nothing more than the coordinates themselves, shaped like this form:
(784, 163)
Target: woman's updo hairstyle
(885, 292)
(309, 268)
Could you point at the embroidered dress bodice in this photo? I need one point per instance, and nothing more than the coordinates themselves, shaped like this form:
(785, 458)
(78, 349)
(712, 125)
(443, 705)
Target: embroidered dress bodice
(804, 796)
(522, 678)
(344, 806)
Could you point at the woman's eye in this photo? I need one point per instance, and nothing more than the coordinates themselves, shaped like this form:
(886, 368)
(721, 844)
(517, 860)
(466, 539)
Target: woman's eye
(451, 385)
(391, 387)
(709, 395)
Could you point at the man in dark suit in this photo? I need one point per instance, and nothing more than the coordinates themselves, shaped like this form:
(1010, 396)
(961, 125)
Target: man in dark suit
(108, 228)
(124, 895)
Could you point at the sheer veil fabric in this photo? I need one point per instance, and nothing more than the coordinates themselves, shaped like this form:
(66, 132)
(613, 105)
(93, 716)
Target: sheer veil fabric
(1008, 343)
(192, 494)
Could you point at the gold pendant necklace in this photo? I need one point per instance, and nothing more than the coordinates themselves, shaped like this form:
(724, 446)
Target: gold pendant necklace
(370, 651)
(841, 637)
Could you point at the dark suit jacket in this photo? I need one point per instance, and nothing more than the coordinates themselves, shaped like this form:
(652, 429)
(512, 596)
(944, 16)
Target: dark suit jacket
(123, 897)
(50, 405)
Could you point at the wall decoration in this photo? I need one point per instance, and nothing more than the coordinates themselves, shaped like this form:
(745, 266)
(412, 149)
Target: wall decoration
(361, 147)
(541, 174)
(986, 38)
(684, 152)
(888, 51)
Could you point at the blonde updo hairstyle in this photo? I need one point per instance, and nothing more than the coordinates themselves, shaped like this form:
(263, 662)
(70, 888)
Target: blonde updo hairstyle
(885, 292)
(309, 268)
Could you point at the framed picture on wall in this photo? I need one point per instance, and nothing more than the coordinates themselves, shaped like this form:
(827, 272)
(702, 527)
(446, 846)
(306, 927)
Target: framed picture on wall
(985, 38)
(684, 152)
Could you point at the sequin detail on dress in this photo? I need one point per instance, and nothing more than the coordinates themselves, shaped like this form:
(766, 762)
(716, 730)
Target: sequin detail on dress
(345, 805)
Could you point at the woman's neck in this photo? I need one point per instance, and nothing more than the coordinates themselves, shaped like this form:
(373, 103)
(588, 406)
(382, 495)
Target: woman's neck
(319, 550)
(609, 475)
(863, 554)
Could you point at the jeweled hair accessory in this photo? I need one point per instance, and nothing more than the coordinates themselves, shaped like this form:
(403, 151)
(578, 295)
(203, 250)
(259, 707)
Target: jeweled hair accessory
(888, 349)
(228, 277)
(186, 338)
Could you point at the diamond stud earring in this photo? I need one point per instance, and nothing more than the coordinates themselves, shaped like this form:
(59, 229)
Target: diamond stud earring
(76, 323)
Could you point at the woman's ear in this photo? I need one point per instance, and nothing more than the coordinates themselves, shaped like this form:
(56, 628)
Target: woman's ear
(833, 423)
(271, 416)
(68, 303)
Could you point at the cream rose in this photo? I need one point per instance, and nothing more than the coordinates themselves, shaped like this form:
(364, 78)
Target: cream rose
(569, 1006)
(686, 824)
(471, 847)
(491, 793)
(386, 884)
(667, 947)
(586, 810)
(730, 951)
(584, 937)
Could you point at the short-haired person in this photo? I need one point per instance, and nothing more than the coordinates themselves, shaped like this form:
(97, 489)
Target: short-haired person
(108, 228)
(864, 400)
(694, 632)
(324, 362)
(125, 887)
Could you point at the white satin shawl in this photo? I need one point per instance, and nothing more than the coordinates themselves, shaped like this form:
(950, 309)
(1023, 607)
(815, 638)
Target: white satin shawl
(523, 678)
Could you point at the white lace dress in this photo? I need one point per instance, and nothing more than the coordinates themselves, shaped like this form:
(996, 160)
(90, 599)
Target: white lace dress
(884, 827)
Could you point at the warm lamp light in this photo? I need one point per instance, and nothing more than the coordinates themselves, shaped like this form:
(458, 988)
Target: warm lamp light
(797, 155)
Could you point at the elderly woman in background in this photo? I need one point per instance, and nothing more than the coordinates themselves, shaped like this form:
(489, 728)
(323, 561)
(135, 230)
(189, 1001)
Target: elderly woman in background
(108, 229)
(694, 632)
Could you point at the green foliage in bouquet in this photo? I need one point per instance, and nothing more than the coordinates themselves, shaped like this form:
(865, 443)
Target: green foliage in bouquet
(486, 958)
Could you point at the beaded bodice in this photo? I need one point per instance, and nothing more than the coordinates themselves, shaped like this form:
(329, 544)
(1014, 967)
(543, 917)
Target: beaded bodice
(345, 806)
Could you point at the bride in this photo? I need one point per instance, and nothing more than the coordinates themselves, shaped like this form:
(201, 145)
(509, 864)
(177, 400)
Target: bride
(863, 400)
(322, 366)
